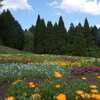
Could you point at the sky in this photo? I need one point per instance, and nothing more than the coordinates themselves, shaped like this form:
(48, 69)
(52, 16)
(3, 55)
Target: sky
(72, 11)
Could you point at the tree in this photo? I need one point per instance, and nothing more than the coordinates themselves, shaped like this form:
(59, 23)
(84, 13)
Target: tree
(39, 36)
(49, 37)
(11, 32)
(87, 34)
(79, 46)
(94, 32)
(61, 37)
(28, 41)
(70, 37)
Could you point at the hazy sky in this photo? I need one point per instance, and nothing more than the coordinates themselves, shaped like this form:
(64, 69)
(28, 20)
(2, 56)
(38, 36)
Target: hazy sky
(72, 11)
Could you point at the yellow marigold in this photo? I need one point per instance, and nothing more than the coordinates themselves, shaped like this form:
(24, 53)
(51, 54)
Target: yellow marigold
(95, 96)
(83, 78)
(76, 98)
(79, 92)
(10, 98)
(61, 97)
(93, 86)
(57, 86)
(94, 91)
(98, 76)
(31, 83)
(32, 86)
(96, 73)
(57, 74)
(36, 96)
(85, 95)
(25, 94)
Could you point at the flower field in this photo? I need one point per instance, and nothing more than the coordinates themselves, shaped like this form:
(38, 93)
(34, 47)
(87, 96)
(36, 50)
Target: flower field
(49, 77)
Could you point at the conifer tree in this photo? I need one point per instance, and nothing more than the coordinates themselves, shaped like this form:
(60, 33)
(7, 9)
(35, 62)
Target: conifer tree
(61, 37)
(87, 34)
(79, 47)
(70, 37)
(94, 32)
(39, 36)
(49, 38)
(10, 31)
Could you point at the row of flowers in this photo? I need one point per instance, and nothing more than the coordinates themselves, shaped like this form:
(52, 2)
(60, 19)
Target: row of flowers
(84, 69)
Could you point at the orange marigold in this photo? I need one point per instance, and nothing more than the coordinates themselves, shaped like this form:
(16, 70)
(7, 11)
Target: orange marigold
(79, 92)
(93, 86)
(36, 96)
(61, 97)
(57, 86)
(10, 98)
(94, 91)
(83, 78)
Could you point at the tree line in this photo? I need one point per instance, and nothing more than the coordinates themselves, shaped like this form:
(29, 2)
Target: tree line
(47, 38)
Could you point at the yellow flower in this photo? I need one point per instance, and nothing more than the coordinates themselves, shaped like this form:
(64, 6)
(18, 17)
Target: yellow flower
(25, 94)
(32, 86)
(30, 83)
(79, 92)
(83, 78)
(98, 76)
(76, 98)
(57, 74)
(93, 86)
(85, 95)
(10, 98)
(95, 96)
(57, 86)
(94, 91)
(96, 73)
(36, 96)
(61, 97)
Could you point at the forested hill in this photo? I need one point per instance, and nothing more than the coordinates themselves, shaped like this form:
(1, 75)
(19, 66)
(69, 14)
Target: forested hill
(46, 38)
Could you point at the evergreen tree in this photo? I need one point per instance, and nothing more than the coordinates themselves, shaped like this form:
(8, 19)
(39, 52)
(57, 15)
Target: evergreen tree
(39, 36)
(87, 34)
(49, 37)
(70, 38)
(79, 47)
(28, 41)
(98, 41)
(54, 38)
(11, 32)
(94, 32)
(61, 37)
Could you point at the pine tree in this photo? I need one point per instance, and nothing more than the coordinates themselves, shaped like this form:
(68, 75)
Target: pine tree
(39, 36)
(49, 38)
(87, 34)
(61, 37)
(70, 37)
(11, 32)
(79, 47)
(94, 32)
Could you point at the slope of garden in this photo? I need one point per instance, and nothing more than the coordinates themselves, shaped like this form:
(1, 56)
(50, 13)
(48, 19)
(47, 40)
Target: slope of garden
(27, 76)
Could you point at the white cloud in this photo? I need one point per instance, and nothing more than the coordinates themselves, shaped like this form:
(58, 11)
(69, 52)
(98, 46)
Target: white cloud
(58, 13)
(98, 25)
(86, 6)
(16, 4)
(53, 3)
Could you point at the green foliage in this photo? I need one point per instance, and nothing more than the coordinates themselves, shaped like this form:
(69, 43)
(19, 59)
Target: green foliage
(48, 89)
(94, 51)
(87, 34)
(11, 33)
(29, 47)
(79, 47)
(17, 89)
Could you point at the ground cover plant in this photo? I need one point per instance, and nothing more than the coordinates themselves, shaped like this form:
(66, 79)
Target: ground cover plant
(48, 77)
